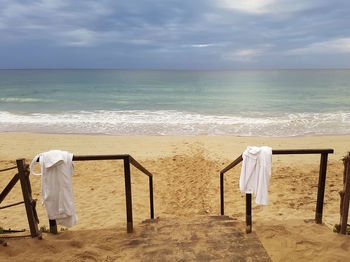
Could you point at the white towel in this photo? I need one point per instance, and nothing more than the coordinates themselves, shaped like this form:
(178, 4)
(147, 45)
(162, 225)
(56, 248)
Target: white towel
(256, 173)
(56, 185)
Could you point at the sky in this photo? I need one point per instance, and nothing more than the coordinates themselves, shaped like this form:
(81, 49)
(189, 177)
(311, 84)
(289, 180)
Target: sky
(174, 34)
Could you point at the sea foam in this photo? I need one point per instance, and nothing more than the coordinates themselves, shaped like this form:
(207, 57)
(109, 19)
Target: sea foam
(166, 122)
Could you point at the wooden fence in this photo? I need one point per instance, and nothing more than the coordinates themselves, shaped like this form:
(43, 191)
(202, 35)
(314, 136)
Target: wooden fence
(30, 204)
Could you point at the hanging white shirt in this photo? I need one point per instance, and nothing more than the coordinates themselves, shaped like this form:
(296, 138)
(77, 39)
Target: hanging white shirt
(56, 185)
(256, 172)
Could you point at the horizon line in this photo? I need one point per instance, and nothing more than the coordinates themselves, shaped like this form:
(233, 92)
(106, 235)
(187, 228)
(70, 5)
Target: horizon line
(173, 69)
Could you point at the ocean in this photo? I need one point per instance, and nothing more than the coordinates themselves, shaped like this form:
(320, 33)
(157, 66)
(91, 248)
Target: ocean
(271, 103)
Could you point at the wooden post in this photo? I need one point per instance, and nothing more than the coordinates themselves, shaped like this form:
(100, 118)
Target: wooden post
(53, 226)
(222, 194)
(344, 208)
(248, 217)
(128, 198)
(321, 188)
(151, 196)
(23, 173)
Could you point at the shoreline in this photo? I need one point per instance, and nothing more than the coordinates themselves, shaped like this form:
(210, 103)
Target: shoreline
(178, 123)
(200, 135)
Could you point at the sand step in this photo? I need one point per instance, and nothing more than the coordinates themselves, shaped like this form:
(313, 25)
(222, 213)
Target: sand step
(200, 238)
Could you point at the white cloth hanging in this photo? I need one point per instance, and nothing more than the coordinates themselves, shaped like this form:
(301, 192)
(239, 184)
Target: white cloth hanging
(256, 173)
(56, 185)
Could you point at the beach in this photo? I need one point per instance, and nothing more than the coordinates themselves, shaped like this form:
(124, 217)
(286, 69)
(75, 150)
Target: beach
(159, 103)
(186, 184)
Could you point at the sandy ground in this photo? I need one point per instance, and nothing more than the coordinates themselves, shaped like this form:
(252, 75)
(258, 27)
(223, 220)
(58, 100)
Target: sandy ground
(186, 181)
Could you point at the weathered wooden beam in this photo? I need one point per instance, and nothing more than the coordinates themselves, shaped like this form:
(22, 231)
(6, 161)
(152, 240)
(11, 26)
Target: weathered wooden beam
(321, 188)
(346, 197)
(129, 220)
(151, 196)
(139, 166)
(98, 157)
(301, 151)
(248, 218)
(53, 226)
(6, 169)
(23, 173)
(9, 187)
(233, 164)
(12, 205)
(222, 194)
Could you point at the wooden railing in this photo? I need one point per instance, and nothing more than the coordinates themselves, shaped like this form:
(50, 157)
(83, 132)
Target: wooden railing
(29, 203)
(128, 160)
(321, 182)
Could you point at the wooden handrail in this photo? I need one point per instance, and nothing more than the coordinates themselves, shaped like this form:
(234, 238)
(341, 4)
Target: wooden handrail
(127, 161)
(321, 181)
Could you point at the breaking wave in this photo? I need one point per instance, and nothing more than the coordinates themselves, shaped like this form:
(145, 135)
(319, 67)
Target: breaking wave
(139, 122)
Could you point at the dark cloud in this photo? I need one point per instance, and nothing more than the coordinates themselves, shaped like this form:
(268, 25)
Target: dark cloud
(220, 34)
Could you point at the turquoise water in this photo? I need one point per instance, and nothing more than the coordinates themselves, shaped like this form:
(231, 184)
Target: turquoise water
(126, 102)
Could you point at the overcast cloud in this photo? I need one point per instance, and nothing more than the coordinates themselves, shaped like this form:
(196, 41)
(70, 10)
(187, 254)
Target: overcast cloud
(170, 34)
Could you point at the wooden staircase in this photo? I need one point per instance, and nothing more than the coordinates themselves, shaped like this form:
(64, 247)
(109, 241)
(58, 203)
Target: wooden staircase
(199, 238)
